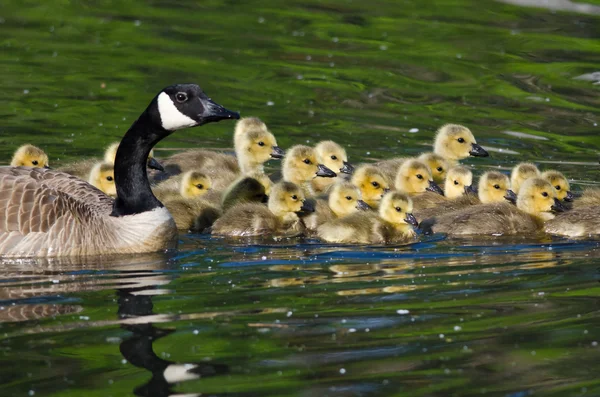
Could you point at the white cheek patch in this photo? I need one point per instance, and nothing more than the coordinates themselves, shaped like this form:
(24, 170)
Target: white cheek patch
(171, 118)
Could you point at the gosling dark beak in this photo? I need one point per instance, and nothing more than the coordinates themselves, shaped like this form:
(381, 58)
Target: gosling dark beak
(214, 112)
(277, 153)
(470, 190)
(361, 205)
(433, 187)
(570, 196)
(325, 172)
(558, 206)
(155, 165)
(511, 196)
(265, 199)
(347, 168)
(308, 207)
(478, 151)
(411, 220)
(386, 190)
(49, 168)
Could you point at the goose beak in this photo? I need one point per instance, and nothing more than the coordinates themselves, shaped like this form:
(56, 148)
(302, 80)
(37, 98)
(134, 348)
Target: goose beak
(347, 168)
(363, 206)
(155, 165)
(214, 112)
(411, 220)
(569, 197)
(277, 153)
(470, 190)
(511, 196)
(558, 206)
(478, 151)
(49, 168)
(308, 207)
(325, 172)
(433, 187)
(265, 199)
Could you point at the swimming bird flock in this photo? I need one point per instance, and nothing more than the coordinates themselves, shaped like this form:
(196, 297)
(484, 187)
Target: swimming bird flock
(114, 205)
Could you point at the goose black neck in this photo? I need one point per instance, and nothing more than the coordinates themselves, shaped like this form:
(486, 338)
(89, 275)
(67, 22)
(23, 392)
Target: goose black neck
(134, 195)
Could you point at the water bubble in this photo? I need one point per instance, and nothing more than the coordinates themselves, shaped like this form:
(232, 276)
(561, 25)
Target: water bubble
(289, 314)
(402, 311)
(457, 328)
(261, 20)
(196, 332)
(342, 371)
(137, 22)
(413, 130)
(351, 330)
(335, 39)
(270, 103)
(25, 92)
(383, 47)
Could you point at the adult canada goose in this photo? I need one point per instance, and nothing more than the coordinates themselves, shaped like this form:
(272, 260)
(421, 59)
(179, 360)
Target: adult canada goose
(82, 168)
(190, 184)
(372, 184)
(393, 225)
(560, 183)
(535, 203)
(520, 173)
(456, 142)
(50, 213)
(493, 187)
(102, 177)
(458, 183)
(414, 177)
(280, 216)
(300, 166)
(334, 157)
(344, 199)
(29, 156)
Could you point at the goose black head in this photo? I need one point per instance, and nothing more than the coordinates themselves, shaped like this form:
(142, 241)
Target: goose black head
(186, 105)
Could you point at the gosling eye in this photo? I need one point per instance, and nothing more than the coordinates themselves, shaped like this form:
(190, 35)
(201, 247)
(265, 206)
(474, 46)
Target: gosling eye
(461, 140)
(294, 197)
(181, 97)
(334, 157)
(545, 194)
(109, 178)
(557, 187)
(419, 176)
(34, 162)
(496, 186)
(440, 169)
(398, 209)
(306, 161)
(200, 186)
(348, 198)
(375, 184)
(456, 182)
(261, 143)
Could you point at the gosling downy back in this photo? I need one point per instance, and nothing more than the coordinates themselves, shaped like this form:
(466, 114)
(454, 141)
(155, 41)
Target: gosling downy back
(456, 142)
(30, 156)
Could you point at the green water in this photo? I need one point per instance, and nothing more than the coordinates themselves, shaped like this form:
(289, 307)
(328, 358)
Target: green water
(494, 317)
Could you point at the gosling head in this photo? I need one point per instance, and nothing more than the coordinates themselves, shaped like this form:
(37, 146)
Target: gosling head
(110, 154)
(300, 165)
(245, 190)
(438, 165)
(30, 156)
(455, 142)
(288, 198)
(459, 181)
(255, 144)
(494, 187)
(414, 176)
(520, 173)
(560, 183)
(538, 197)
(372, 184)
(102, 177)
(195, 184)
(334, 157)
(345, 198)
(396, 208)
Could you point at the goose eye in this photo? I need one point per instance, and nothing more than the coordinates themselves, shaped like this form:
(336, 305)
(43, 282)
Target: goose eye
(109, 178)
(557, 187)
(348, 198)
(496, 186)
(456, 182)
(181, 97)
(334, 157)
(440, 169)
(200, 186)
(34, 162)
(545, 194)
(398, 209)
(306, 161)
(294, 197)
(261, 143)
(419, 176)
(375, 184)
(461, 140)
